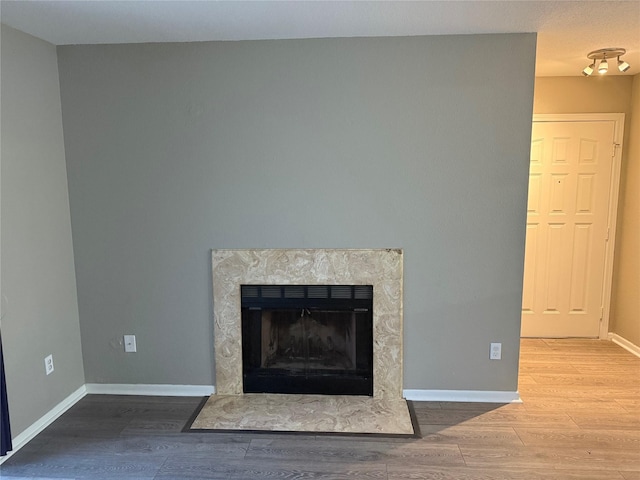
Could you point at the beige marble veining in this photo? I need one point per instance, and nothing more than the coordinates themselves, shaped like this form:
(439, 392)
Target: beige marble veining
(305, 413)
(382, 268)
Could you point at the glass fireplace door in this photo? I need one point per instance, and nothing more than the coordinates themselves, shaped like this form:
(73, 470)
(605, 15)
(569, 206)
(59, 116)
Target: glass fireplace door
(315, 339)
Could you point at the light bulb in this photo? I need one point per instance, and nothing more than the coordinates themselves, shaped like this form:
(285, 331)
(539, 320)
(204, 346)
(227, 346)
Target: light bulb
(623, 66)
(588, 70)
(603, 67)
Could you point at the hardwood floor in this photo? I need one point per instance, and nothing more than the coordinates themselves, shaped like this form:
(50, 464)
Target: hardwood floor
(580, 419)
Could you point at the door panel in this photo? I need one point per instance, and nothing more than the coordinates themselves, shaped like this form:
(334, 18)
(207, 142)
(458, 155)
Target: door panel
(570, 176)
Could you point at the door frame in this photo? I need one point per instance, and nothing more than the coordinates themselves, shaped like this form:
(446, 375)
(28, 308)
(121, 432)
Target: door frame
(614, 193)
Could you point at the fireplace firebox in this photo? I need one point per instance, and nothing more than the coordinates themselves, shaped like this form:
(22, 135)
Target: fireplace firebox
(309, 339)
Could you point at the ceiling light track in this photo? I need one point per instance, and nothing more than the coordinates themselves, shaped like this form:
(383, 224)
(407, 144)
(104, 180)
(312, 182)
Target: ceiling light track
(601, 56)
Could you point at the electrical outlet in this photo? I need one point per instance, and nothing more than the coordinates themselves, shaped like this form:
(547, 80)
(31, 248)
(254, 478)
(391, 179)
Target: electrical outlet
(48, 364)
(496, 351)
(130, 343)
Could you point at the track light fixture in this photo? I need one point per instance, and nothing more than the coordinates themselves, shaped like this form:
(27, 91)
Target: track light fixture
(623, 66)
(588, 70)
(603, 66)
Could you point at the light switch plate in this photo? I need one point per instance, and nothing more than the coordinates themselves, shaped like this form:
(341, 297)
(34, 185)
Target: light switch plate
(130, 343)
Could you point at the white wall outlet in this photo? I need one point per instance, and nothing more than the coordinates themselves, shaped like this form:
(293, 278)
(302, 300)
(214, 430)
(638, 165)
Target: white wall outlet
(496, 351)
(130, 343)
(48, 364)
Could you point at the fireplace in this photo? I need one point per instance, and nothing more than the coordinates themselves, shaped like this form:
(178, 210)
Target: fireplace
(378, 269)
(310, 339)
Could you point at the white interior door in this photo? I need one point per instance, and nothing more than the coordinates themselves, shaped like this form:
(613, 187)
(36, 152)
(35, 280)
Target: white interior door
(567, 228)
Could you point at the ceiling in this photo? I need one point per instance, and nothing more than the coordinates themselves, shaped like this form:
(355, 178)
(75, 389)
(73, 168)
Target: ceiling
(567, 30)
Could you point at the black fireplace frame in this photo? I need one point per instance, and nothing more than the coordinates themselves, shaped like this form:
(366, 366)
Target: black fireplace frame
(312, 298)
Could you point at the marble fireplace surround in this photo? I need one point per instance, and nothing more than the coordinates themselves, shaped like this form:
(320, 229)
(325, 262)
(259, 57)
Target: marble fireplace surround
(382, 268)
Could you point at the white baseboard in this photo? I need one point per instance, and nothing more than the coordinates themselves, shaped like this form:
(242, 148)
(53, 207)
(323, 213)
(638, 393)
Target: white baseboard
(151, 390)
(624, 343)
(483, 396)
(47, 419)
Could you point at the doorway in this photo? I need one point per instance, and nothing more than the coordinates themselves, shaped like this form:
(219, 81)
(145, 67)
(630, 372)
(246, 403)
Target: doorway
(573, 194)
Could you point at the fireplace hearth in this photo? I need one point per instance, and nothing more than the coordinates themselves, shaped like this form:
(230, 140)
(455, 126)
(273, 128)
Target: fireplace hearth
(308, 339)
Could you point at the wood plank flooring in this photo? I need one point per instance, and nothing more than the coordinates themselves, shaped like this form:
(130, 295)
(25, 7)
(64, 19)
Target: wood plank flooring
(580, 419)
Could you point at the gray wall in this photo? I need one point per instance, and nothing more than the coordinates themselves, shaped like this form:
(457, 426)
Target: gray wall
(420, 143)
(40, 315)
